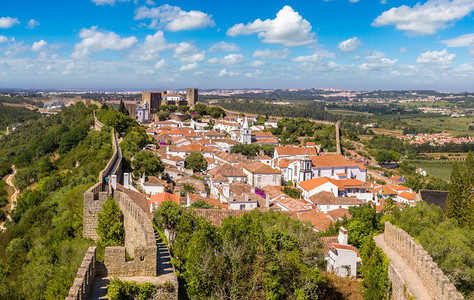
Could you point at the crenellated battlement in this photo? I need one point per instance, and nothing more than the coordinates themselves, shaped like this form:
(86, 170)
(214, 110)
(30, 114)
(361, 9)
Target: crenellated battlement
(418, 260)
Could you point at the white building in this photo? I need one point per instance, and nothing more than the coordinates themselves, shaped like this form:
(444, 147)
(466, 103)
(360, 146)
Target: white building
(246, 133)
(342, 258)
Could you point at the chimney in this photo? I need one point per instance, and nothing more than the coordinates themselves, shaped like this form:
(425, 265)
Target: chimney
(342, 238)
(126, 180)
(252, 190)
(267, 201)
(113, 181)
(246, 197)
(188, 200)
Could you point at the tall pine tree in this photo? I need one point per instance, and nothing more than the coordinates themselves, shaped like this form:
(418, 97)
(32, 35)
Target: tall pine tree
(455, 193)
(460, 201)
(123, 109)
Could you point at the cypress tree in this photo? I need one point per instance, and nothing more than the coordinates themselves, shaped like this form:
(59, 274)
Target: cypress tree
(123, 109)
(467, 206)
(455, 193)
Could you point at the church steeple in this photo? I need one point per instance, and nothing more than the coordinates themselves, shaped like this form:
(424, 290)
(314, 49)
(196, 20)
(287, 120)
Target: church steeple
(246, 133)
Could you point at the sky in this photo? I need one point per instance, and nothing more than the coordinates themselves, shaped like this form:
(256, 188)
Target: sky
(151, 44)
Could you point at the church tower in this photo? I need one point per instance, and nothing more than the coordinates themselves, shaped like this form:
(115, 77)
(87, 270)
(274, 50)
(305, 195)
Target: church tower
(306, 168)
(246, 133)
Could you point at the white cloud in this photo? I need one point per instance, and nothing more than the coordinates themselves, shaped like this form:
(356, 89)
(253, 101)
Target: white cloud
(354, 58)
(288, 28)
(425, 18)
(32, 24)
(188, 53)
(271, 54)
(173, 18)
(188, 67)
(378, 64)
(150, 49)
(353, 1)
(257, 63)
(160, 64)
(150, 2)
(466, 40)
(107, 2)
(307, 58)
(383, 1)
(369, 54)
(3, 39)
(436, 57)
(224, 47)
(403, 49)
(231, 59)
(7, 22)
(252, 74)
(224, 72)
(95, 40)
(39, 45)
(350, 45)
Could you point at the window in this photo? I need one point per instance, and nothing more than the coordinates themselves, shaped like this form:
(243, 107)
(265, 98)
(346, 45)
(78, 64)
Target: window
(259, 179)
(242, 206)
(332, 172)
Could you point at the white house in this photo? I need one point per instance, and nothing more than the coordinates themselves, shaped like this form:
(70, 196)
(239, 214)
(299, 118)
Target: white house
(342, 258)
(152, 185)
(259, 174)
(327, 202)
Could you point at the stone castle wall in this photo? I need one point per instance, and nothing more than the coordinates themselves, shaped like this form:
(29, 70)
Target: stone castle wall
(140, 242)
(84, 276)
(418, 260)
(95, 197)
(97, 124)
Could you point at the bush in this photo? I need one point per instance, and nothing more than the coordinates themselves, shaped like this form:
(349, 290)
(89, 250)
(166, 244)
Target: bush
(124, 290)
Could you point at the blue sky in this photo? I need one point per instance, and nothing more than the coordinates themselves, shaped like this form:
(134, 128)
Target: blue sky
(144, 44)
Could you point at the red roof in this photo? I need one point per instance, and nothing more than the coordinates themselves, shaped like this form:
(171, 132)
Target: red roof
(162, 197)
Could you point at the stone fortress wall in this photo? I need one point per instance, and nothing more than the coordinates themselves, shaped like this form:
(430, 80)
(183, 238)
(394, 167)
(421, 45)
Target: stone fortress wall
(95, 197)
(84, 276)
(438, 284)
(140, 242)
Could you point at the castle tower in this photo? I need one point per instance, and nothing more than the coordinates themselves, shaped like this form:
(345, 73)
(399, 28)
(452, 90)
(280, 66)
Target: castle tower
(306, 165)
(191, 96)
(246, 133)
(153, 99)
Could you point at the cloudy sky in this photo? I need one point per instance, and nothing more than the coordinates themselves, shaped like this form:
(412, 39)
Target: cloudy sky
(148, 44)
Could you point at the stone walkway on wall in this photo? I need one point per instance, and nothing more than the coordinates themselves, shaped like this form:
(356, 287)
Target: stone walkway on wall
(413, 282)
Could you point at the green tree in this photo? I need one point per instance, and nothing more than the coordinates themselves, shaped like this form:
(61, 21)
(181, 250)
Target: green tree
(147, 162)
(123, 109)
(374, 271)
(110, 224)
(163, 115)
(455, 193)
(196, 162)
(172, 108)
(386, 156)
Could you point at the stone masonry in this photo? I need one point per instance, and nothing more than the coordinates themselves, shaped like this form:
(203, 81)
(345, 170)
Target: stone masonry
(418, 260)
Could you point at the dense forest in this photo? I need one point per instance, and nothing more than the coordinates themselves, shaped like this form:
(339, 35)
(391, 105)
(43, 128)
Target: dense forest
(13, 115)
(58, 158)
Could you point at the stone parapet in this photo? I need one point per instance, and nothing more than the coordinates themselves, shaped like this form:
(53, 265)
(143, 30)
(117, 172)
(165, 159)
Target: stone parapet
(84, 276)
(418, 260)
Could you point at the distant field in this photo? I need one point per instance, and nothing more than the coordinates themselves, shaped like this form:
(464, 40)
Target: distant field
(454, 126)
(440, 169)
(440, 104)
(387, 131)
(350, 112)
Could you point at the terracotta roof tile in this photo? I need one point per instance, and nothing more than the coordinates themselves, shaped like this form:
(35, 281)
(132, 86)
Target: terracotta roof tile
(319, 220)
(327, 198)
(328, 161)
(339, 213)
(291, 150)
(160, 198)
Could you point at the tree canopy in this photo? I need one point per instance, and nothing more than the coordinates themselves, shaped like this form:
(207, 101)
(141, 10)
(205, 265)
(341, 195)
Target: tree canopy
(196, 162)
(147, 162)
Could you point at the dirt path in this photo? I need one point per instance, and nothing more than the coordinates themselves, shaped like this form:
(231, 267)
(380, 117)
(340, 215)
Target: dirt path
(413, 282)
(13, 197)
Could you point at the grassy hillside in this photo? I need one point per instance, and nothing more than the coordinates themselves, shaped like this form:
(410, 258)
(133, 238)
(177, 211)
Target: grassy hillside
(57, 158)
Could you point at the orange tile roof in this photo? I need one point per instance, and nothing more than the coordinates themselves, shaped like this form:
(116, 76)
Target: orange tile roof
(407, 195)
(291, 150)
(328, 161)
(388, 191)
(399, 188)
(217, 216)
(154, 180)
(263, 157)
(344, 247)
(294, 204)
(262, 134)
(339, 213)
(327, 198)
(319, 220)
(266, 141)
(227, 170)
(315, 182)
(162, 197)
(260, 168)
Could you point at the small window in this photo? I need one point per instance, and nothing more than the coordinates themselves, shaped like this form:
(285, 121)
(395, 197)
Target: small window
(242, 206)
